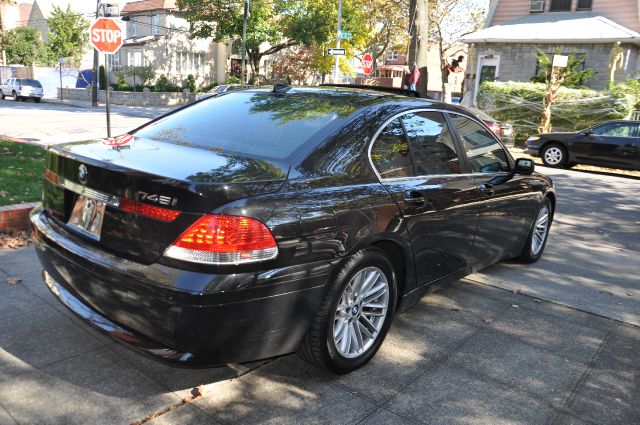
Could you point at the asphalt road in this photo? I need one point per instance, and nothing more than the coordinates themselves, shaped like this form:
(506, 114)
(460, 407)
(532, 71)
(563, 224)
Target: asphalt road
(49, 123)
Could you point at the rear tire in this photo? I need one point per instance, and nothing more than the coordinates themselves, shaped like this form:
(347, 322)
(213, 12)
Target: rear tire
(37, 99)
(538, 235)
(355, 315)
(15, 96)
(554, 155)
(2, 96)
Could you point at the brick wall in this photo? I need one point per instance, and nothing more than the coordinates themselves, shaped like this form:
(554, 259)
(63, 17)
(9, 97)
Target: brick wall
(14, 218)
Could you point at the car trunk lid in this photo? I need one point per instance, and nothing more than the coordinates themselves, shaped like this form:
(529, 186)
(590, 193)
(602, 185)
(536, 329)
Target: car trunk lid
(151, 190)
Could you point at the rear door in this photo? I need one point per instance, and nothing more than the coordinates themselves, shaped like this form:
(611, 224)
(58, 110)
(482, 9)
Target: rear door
(506, 209)
(418, 162)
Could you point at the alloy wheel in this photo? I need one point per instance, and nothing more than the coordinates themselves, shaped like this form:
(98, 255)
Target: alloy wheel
(553, 155)
(540, 229)
(361, 312)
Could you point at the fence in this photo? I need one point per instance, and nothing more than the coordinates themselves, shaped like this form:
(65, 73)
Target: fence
(132, 98)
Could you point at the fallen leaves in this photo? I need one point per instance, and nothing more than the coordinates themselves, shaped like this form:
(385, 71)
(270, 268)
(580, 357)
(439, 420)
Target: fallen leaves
(13, 280)
(516, 291)
(606, 292)
(19, 240)
(488, 320)
(515, 306)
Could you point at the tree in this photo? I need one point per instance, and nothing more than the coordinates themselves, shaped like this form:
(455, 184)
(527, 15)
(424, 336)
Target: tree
(67, 35)
(143, 74)
(573, 74)
(280, 24)
(24, 46)
(449, 21)
(386, 24)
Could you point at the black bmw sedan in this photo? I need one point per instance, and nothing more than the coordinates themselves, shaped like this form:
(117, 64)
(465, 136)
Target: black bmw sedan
(264, 222)
(613, 144)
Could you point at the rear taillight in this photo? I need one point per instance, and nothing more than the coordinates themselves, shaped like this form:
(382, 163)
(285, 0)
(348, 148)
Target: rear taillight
(224, 239)
(495, 127)
(151, 211)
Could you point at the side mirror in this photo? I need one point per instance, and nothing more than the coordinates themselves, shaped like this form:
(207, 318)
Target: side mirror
(588, 132)
(524, 166)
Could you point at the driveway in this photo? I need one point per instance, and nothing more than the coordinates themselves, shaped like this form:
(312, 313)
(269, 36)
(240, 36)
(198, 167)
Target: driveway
(473, 353)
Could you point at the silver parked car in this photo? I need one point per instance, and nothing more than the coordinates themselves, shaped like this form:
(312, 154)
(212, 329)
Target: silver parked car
(22, 89)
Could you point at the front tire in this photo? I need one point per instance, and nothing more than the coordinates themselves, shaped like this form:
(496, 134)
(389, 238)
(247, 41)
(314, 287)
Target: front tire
(355, 314)
(538, 235)
(554, 155)
(37, 99)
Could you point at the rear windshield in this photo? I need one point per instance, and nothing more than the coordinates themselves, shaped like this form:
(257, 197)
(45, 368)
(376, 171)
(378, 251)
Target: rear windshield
(30, 82)
(250, 123)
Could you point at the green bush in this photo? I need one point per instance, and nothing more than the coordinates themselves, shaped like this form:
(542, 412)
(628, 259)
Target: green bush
(207, 87)
(576, 108)
(163, 85)
(191, 83)
(233, 80)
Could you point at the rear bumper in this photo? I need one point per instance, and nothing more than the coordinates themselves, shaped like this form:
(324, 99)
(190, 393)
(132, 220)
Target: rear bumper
(180, 316)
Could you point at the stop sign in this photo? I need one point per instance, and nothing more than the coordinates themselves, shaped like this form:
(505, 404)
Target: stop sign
(105, 35)
(367, 64)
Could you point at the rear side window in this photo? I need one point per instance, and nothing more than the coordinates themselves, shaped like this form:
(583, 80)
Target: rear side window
(30, 82)
(390, 152)
(431, 144)
(250, 123)
(484, 152)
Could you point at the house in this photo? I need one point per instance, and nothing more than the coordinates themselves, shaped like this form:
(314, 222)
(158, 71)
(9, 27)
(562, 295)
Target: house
(158, 36)
(604, 33)
(41, 11)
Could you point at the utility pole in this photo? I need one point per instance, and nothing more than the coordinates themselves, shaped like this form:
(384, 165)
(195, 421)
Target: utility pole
(244, 39)
(419, 45)
(96, 77)
(336, 70)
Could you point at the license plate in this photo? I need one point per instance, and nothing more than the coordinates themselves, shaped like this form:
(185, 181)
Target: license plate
(87, 217)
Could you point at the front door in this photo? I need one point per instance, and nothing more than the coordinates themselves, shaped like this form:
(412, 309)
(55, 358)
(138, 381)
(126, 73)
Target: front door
(507, 207)
(419, 164)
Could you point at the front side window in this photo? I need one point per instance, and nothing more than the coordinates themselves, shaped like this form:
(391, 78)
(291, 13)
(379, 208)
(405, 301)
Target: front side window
(616, 129)
(430, 143)
(390, 152)
(483, 151)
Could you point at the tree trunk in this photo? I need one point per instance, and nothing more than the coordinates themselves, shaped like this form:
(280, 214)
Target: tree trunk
(555, 81)
(419, 46)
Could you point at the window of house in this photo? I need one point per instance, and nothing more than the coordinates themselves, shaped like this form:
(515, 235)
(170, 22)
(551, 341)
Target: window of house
(560, 6)
(584, 5)
(155, 22)
(134, 57)
(392, 56)
(484, 153)
(114, 60)
(390, 152)
(536, 6)
(133, 27)
(430, 143)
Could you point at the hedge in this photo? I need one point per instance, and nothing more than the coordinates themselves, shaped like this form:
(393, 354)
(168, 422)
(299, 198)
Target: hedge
(521, 105)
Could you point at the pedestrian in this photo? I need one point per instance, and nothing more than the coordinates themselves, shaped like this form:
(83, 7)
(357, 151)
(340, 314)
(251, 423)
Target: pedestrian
(415, 77)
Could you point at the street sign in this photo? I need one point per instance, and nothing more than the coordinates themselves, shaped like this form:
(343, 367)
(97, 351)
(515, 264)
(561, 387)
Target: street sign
(105, 35)
(345, 35)
(560, 61)
(337, 52)
(367, 64)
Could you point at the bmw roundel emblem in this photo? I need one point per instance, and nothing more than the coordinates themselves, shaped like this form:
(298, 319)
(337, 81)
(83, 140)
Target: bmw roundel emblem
(83, 174)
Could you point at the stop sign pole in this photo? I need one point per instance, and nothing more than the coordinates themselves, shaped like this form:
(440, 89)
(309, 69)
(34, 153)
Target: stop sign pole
(105, 35)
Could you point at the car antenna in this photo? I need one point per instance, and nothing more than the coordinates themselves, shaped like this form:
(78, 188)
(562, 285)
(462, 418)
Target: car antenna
(281, 88)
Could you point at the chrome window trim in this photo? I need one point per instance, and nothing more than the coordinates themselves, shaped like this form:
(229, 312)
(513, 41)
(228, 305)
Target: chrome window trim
(429, 176)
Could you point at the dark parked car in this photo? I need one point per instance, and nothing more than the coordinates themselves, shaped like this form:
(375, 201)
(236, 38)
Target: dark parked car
(613, 144)
(265, 222)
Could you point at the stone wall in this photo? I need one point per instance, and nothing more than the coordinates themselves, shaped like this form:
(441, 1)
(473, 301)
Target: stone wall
(132, 98)
(518, 62)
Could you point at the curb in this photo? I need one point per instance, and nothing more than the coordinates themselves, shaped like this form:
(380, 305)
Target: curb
(15, 218)
(18, 140)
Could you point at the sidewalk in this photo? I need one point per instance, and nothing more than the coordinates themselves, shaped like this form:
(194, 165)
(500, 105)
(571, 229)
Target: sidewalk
(469, 354)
